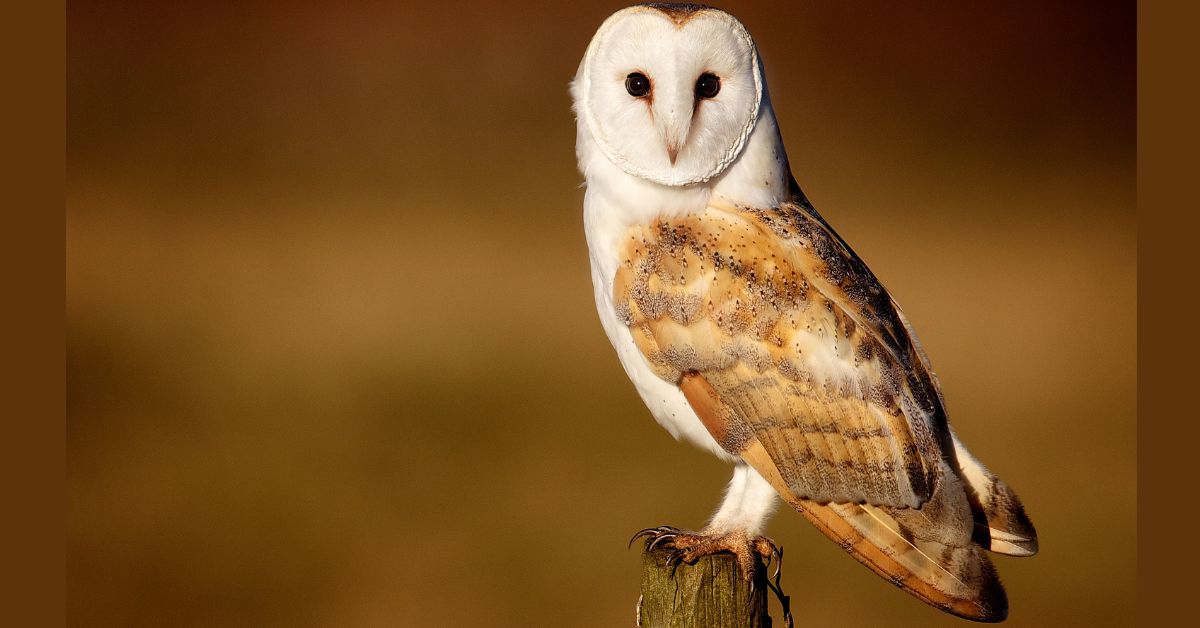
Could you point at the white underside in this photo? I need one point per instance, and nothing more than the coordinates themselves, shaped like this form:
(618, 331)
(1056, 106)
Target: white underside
(749, 499)
(616, 201)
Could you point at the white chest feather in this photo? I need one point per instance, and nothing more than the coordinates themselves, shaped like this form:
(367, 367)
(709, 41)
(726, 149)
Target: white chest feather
(616, 201)
(664, 399)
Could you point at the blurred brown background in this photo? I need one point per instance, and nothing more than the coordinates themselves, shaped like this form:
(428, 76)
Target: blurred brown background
(332, 353)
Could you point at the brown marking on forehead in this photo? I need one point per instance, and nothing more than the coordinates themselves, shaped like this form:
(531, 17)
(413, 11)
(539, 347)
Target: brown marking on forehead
(679, 13)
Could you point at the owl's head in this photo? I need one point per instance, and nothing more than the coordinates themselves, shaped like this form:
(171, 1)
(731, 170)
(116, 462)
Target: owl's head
(670, 92)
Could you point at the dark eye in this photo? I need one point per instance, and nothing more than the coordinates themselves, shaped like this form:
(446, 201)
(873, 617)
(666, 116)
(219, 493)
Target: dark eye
(707, 85)
(637, 84)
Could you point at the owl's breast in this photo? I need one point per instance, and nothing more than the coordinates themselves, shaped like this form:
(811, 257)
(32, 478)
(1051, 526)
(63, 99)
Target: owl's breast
(607, 233)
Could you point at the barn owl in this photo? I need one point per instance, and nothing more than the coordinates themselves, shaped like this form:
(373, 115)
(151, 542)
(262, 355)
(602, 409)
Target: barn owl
(751, 329)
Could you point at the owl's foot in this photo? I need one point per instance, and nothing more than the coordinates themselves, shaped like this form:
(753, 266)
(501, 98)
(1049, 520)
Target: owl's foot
(688, 547)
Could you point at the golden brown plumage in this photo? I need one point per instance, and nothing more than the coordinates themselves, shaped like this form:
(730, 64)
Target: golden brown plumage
(798, 361)
(749, 328)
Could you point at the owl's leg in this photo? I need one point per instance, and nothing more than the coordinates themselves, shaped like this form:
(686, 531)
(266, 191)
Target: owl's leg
(734, 528)
(749, 502)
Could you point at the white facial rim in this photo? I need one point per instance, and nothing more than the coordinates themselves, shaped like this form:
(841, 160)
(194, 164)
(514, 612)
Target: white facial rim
(674, 178)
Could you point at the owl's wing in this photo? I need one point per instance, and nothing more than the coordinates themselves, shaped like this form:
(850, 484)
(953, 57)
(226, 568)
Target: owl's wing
(795, 358)
(799, 343)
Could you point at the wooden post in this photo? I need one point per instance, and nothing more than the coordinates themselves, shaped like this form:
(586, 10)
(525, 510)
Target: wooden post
(709, 594)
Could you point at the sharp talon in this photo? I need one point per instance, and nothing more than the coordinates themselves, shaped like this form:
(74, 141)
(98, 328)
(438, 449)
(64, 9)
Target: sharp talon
(774, 585)
(658, 533)
(673, 561)
(688, 547)
(665, 537)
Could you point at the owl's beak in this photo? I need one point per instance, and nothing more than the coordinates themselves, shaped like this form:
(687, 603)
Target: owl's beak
(675, 121)
(675, 133)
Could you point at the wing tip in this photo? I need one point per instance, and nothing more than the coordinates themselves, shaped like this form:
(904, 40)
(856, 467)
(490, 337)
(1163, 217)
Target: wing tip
(990, 603)
(978, 595)
(984, 601)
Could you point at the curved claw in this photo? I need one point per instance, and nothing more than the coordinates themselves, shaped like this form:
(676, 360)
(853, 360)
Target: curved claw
(644, 532)
(675, 559)
(688, 547)
(658, 532)
(778, 555)
(639, 534)
(774, 585)
(667, 536)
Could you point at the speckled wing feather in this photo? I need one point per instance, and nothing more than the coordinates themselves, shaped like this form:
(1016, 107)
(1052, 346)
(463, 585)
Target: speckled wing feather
(799, 340)
(796, 359)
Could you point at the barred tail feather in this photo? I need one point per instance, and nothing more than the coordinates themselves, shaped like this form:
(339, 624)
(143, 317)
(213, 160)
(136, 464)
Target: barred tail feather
(1001, 524)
